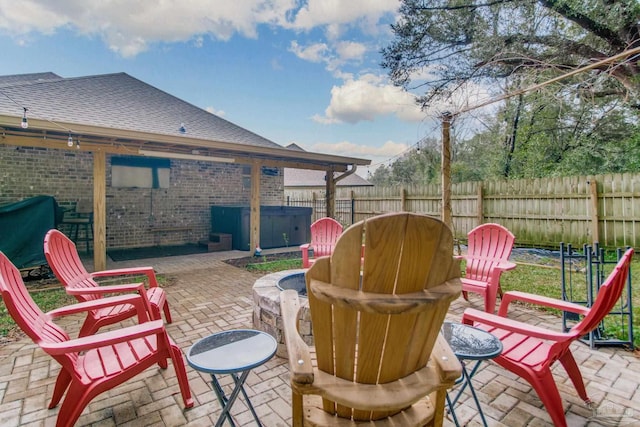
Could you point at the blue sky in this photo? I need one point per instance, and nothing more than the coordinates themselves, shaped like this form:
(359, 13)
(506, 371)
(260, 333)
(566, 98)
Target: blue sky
(293, 71)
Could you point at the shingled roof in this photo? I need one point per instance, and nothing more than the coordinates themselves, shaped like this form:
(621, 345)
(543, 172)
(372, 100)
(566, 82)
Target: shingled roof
(119, 107)
(120, 101)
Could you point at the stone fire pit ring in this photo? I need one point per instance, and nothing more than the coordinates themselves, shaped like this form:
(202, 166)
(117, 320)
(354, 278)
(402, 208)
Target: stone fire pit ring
(266, 306)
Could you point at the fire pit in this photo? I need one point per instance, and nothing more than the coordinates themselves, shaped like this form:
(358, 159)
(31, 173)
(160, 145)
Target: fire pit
(266, 306)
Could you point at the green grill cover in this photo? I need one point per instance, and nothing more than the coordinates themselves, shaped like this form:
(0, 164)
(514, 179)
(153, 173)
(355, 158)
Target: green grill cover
(23, 226)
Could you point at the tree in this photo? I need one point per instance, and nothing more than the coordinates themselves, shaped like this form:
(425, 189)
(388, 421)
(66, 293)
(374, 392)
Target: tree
(462, 41)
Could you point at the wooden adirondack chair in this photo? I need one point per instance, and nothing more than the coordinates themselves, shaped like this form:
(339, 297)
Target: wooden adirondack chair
(63, 258)
(376, 327)
(530, 351)
(92, 364)
(324, 234)
(488, 251)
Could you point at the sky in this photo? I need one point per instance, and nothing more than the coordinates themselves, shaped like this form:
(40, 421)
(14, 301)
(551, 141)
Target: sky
(293, 71)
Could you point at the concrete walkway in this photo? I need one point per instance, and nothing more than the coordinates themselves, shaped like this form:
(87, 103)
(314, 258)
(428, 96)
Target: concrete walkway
(208, 295)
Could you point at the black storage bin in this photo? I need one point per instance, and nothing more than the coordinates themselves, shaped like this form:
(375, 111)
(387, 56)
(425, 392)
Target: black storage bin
(280, 226)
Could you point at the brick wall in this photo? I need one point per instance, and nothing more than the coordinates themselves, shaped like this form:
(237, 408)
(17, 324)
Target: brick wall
(135, 215)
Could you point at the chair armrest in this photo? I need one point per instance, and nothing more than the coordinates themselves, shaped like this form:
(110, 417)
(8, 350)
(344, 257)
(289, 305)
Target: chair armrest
(134, 299)
(299, 355)
(107, 289)
(146, 271)
(104, 339)
(380, 303)
(510, 296)
(505, 265)
(446, 361)
(460, 257)
(472, 316)
(304, 248)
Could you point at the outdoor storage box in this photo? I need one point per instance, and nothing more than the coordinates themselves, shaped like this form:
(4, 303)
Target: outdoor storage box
(280, 226)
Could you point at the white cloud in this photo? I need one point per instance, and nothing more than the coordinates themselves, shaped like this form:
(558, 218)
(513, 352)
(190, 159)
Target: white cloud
(350, 149)
(331, 12)
(212, 110)
(378, 154)
(348, 50)
(128, 27)
(317, 52)
(367, 98)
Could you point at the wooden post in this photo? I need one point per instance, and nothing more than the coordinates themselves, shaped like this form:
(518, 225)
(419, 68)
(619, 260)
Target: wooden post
(99, 211)
(330, 194)
(314, 206)
(353, 207)
(446, 169)
(254, 218)
(593, 190)
(479, 204)
(403, 200)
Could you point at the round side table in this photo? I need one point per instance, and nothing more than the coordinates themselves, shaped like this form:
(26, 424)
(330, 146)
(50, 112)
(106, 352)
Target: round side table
(235, 353)
(469, 343)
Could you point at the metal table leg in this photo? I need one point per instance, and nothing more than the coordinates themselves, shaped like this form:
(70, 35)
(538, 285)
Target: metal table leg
(227, 402)
(466, 381)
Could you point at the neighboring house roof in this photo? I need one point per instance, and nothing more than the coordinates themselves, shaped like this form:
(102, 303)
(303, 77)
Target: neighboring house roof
(118, 113)
(316, 178)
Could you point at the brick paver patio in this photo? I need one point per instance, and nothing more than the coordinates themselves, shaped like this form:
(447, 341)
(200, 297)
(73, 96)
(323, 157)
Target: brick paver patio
(209, 295)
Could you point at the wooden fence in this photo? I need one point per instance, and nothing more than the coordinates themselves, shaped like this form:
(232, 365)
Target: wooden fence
(540, 212)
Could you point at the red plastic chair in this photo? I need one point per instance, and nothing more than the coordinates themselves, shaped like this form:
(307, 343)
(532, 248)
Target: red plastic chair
(530, 351)
(92, 364)
(324, 234)
(65, 262)
(488, 251)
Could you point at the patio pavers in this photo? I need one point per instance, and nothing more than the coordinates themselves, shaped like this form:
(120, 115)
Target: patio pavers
(209, 295)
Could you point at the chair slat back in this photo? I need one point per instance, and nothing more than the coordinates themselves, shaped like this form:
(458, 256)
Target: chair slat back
(404, 253)
(62, 256)
(324, 234)
(608, 294)
(488, 245)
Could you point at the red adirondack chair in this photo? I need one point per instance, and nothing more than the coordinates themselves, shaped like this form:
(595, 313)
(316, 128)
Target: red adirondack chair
(324, 234)
(92, 364)
(530, 351)
(488, 251)
(65, 262)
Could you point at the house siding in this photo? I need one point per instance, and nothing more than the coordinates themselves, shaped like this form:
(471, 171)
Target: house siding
(134, 215)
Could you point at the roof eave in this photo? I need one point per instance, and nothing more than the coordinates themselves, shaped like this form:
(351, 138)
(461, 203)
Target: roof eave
(169, 143)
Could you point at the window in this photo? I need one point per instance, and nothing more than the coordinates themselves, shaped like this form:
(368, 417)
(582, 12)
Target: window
(140, 172)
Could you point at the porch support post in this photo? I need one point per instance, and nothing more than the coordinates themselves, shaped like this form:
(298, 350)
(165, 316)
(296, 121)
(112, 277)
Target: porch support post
(254, 219)
(330, 193)
(446, 169)
(99, 211)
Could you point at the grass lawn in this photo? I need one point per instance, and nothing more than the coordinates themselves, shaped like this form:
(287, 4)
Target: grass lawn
(547, 280)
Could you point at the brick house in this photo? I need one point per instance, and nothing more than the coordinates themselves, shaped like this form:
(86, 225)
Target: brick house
(152, 164)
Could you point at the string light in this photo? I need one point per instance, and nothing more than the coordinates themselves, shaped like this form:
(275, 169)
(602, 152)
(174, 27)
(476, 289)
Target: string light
(77, 143)
(25, 122)
(70, 140)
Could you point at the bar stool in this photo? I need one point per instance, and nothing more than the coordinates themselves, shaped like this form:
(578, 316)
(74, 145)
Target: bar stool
(80, 222)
